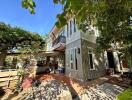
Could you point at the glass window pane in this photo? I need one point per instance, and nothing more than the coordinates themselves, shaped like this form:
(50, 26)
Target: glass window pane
(90, 52)
(71, 62)
(74, 25)
(67, 30)
(91, 61)
(70, 27)
(76, 59)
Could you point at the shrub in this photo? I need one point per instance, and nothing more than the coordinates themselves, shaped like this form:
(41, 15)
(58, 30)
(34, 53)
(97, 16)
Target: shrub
(126, 95)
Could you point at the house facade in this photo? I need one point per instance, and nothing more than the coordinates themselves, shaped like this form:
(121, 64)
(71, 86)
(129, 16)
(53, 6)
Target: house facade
(78, 52)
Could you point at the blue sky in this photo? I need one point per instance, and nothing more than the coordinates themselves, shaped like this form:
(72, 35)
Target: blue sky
(11, 12)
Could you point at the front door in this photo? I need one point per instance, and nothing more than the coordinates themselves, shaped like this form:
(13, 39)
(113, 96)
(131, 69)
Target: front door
(111, 60)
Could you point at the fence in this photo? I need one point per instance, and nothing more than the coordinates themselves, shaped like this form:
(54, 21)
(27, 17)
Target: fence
(7, 76)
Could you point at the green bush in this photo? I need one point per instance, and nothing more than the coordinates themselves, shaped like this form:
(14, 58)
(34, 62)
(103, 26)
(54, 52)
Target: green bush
(126, 95)
(8, 62)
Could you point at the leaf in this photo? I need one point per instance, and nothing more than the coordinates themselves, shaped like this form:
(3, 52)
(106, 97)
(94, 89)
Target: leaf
(56, 1)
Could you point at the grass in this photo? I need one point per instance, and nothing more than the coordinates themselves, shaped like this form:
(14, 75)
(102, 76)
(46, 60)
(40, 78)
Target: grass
(126, 95)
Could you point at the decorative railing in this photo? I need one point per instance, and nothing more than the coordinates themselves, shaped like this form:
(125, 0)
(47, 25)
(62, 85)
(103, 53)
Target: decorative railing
(59, 39)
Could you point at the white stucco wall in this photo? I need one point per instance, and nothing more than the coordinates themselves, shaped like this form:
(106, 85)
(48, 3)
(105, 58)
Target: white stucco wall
(90, 35)
(74, 36)
(48, 44)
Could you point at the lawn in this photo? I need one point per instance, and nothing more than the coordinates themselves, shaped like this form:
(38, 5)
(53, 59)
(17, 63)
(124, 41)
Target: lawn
(126, 95)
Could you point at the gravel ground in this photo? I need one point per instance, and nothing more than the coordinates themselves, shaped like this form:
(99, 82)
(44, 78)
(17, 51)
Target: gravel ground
(61, 87)
(49, 90)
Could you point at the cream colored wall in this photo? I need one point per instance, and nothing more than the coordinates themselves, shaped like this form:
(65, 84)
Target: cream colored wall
(75, 35)
(116, 61)
(48, 44)
(106, 60)
(76, 39)
(90, 36)
(98, 61)
(76, 74)
(118, 67)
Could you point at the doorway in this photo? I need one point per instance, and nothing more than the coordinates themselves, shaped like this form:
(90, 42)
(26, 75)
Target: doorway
(111, 61)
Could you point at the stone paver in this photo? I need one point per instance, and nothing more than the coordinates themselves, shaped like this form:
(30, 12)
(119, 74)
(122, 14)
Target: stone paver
(105, 91)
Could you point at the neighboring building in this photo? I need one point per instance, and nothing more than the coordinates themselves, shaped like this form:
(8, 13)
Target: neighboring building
(78, 54)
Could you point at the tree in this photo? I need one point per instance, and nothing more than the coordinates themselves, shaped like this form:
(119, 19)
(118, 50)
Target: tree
(14, 39)
(113, 18)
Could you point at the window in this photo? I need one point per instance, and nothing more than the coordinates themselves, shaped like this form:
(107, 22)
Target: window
(76, 65)
(71, 58)
(90, 55)
(74, 25)
(67, 30)
(68, 58)
(70, 27)
(63, 32)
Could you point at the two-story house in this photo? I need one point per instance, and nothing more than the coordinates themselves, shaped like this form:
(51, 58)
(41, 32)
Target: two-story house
(78, 52)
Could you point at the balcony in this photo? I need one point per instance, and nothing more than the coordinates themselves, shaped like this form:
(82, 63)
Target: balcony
(59, 43)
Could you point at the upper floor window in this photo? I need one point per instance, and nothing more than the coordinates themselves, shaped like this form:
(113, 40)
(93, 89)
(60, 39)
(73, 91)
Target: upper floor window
(74, 22)
(63, 32)
(90, 56)
(76, 60)
(71, 58)
(67, 30)
(68, 58)
(70, 27)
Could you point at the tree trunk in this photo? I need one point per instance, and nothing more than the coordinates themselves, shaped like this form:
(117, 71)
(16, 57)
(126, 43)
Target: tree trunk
(2, 58)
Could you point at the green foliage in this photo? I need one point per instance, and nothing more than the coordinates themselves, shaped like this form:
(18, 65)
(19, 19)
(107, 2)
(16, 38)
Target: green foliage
(29, 4)
(8, 62)
(14, 38)
(126, 95)
(21, 72)
(113, 18)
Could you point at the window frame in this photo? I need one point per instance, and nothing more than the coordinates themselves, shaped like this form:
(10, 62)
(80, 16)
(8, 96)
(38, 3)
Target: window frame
(91, 52)
(74, 23)
(70, 27)
(76, 58)
(68, 57)
(67, 27)
(72, 56)
(75, 64)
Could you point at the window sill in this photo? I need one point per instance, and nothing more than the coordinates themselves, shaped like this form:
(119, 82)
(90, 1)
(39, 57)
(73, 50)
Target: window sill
(92, 69)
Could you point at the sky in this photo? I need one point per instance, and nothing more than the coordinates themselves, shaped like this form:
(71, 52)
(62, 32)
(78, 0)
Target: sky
(11, 12)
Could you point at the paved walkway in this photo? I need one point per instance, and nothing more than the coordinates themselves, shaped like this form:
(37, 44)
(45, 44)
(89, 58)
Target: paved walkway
(105, 91)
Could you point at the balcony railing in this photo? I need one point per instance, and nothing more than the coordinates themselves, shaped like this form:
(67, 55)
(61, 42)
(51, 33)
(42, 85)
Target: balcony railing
(60, 39)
